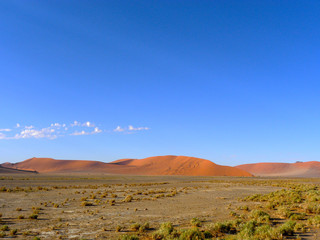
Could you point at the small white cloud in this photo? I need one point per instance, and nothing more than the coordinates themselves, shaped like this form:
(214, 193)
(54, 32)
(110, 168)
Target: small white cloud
(29, 127)
(79, 133)
(58, 125)
(118, 129)
(5, 130)
(131, 128)
(17, 125)
(33, 133)
(75, 124)
(97, 130)
(88, 124)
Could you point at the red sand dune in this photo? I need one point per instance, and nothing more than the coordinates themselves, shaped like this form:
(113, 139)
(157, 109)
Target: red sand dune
(14, 171)
(162, 165)
(298, 169)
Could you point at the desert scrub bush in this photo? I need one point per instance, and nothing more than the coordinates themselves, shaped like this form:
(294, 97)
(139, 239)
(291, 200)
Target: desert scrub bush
(86, 203)
(300, 227)
(247, 229)
(144, 227)
(128, 237)
(260, 216)
(13, 232)
(315, 221)
(223, 227)
(165, 231)
(233, 214)
(119, 228)
(195, 222)
(4, 228)
(284, 212)
(297, 216)
(266, 232)
(20, 217)
(287, 228)
(128, 198)
(33, 216)
(135, 227)
(18, 209)
(313, 208)
(245, 208)
(2, 234)
(191, 234)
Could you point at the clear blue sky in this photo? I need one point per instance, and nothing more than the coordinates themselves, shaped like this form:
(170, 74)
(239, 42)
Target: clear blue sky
(230, 81)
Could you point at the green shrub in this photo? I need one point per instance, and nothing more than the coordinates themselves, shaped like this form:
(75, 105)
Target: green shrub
(287, 228)
(260, 216)
(195, 222)
(128, 198)
(13, 232)
(223, 227)
(144, 227)
(165, 230)
(248, 229)
(128, 237)
(33, 216)
(86, 203)
(191, 234)
(315, 220)
(4, 228)
(135, 227)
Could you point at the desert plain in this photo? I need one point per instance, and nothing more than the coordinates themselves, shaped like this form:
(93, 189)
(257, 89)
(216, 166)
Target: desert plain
(104, 206)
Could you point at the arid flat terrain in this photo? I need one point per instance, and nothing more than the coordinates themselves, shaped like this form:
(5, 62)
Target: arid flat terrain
(111, 206)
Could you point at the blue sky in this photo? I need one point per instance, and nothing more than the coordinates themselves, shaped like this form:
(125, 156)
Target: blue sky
(230, 81)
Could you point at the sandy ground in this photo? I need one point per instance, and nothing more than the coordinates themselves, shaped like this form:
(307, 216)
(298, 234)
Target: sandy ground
(155, 200)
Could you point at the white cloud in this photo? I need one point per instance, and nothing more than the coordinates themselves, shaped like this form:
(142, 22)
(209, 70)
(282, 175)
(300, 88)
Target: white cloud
(58, 125)
(118, 129)
(33, 133)
(56, 130)
(97, 130)
(88, 124)
(131, 128)
(5, 130)
(75, 124)
(79, 133)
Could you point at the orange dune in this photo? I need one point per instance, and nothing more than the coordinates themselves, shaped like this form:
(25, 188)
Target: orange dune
(179, 165)
(298, 169)
(161, 165)
(14, 171)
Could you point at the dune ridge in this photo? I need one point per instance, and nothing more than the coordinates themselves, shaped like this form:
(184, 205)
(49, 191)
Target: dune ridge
(159, 165)
(298, 169)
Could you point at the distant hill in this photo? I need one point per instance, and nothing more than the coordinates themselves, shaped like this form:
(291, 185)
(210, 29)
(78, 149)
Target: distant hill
(160, 165)
(298, 169)
(13, 171)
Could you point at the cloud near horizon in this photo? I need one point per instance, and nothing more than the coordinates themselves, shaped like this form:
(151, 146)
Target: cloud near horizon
(130, 129)
(56, 130)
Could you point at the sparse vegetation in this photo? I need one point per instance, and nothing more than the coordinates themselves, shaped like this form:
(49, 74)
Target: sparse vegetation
(286, 209)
